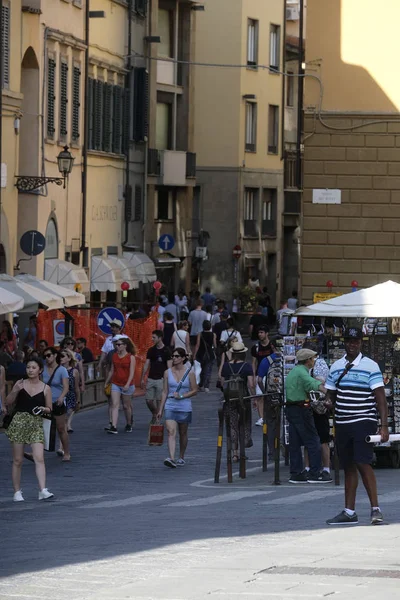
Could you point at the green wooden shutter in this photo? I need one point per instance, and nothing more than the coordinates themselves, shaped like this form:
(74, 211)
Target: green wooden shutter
(76, 104)
(63, 99)
(51, 97)
(5, 45)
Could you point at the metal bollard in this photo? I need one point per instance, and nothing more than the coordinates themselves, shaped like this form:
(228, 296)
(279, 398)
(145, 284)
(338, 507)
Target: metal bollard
(221, 415)
(265, 437)
(336, 465)
(228, 446)
(277, 445)
(242, 441)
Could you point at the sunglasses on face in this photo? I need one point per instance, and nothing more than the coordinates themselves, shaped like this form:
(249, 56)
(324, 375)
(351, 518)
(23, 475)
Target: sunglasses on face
(69, 344)
(177, 356)
(120, 344)
(47, 355)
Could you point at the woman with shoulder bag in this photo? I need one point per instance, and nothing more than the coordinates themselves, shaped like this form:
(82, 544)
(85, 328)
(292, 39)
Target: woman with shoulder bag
(204, 352)
(181, 338)
(57, 379)
(121, 377)
(179, 387)
(32, 399)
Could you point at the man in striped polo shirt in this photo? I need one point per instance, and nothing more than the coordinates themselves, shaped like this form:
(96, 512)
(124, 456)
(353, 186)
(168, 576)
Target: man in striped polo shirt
(356, 389)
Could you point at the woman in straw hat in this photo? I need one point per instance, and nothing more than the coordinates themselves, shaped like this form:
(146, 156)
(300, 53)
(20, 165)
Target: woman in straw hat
(237, 366)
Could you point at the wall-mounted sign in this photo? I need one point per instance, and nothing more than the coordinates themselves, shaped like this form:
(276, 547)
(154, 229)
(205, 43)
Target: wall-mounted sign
(322, 296)
(104, 213)
(327, 196)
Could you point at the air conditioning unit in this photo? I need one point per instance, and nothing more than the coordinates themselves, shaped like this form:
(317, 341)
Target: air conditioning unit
(292, 13)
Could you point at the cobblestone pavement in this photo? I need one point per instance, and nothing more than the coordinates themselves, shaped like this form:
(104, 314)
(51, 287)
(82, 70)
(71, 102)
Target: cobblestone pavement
(123, 526)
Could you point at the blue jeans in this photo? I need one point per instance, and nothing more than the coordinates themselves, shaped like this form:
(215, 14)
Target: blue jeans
(302, 432)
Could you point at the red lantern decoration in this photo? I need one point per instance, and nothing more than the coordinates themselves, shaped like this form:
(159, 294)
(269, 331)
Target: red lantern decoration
(354, 284)
(125, 286)
(329, 284)
(157, 285)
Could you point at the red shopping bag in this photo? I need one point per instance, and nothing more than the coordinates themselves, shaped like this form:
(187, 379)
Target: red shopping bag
(156, 434)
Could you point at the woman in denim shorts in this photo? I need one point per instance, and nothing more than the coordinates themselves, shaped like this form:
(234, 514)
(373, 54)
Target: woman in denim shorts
(179, 387)
(121, 375)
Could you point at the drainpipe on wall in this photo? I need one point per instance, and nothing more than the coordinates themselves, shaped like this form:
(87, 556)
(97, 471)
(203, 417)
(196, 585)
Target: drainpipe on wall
(128, 90)
(146, 147)
(300, 97)
(284, 84)
(1, 110)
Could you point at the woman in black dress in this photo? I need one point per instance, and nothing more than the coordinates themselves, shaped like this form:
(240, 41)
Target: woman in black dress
(32, 398)
(169, 329)
(204, 353)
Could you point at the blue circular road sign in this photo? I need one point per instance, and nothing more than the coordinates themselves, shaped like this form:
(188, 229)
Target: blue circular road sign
(166, 242)
(107, 315)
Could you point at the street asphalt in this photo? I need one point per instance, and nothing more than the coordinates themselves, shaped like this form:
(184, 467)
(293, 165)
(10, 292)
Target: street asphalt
(123, 526)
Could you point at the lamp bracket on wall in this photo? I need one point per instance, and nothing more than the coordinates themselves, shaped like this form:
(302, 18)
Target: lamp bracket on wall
(27, 183)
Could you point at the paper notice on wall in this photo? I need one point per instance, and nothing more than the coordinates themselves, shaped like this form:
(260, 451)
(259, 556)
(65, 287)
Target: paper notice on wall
(327, 196)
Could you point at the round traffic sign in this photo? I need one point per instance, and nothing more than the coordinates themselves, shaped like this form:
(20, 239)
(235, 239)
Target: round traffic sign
(32, 242)
(237, 251)
(107, 315)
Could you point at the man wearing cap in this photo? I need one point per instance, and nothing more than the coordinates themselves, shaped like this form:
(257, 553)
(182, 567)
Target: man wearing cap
(356, 389)
(108, 346)
(302, 431)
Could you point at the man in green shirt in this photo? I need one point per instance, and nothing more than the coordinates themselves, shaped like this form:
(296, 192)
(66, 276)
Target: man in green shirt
(302, 431)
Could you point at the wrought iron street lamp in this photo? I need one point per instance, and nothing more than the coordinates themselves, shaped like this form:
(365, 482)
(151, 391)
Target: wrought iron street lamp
(65, 160)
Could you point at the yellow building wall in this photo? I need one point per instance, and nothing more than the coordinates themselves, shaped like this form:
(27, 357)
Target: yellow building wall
(217, 90)
(10, 142)
(357, 60)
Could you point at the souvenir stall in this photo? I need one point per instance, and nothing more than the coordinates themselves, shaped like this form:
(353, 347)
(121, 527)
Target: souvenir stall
(376, 310)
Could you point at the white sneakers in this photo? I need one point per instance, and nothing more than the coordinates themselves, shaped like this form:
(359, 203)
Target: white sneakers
(45, 494)
(260, 422)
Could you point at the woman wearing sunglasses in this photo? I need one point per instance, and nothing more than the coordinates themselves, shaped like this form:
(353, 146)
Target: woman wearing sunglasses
(56, 376)
(68, 343)
(73, 398)
(121, 375)
(32, 398)
(179, 387)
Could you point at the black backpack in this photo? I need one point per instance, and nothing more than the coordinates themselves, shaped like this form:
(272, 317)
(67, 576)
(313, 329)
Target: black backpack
(236, 388)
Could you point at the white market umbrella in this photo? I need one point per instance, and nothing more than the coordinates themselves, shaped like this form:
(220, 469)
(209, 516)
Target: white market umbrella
(31, 296)
(10, 303)
(69, 297)
(379, 301)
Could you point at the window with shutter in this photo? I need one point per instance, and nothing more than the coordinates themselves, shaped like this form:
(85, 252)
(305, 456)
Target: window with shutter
(138, 203)
(107, 118)
(90, 140)
(76, 104)
(5, 44)
(51, 97)
(125, 131)
(141, 105)
(98, 102)
(117, 120)
(63, 99)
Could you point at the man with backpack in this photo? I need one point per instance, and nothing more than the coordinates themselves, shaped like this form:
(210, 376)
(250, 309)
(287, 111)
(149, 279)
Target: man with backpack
(238, 383)
(262, 349)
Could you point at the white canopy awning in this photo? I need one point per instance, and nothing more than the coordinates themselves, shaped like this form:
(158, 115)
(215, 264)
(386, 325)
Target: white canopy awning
(66, 274)
(32, 296)
(382, 300)
(9, 302)
(69, 297)
(144, 267)
(105, 275)
(128, 271)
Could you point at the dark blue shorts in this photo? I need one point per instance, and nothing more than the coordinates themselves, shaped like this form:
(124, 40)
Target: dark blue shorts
(351, 445)
(178, 416)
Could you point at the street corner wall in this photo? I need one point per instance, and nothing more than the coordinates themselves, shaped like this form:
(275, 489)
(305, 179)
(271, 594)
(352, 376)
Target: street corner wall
(359, 238)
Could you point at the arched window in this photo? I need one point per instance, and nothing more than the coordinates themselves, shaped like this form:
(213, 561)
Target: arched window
(51, 250)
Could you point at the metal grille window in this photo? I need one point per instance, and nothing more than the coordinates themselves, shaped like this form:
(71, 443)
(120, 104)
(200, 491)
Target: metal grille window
(76, 104)
(251, 126)
(63, 99)
(51, 97)
(273, 129)
(252, 43)
(5, 44)
(268, 221)
(274, 47)
(141, 7)
(251, 212)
